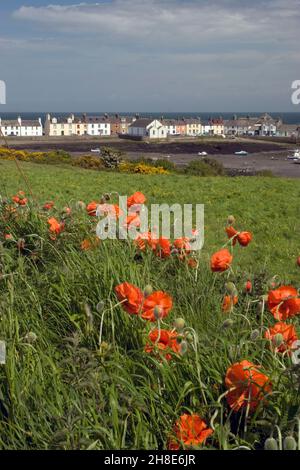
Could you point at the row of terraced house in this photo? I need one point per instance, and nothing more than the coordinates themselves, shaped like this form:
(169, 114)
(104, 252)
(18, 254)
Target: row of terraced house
(139, 127)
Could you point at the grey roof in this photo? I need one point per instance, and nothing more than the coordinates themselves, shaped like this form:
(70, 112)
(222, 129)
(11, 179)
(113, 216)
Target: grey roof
(142, 122)
(29, 123)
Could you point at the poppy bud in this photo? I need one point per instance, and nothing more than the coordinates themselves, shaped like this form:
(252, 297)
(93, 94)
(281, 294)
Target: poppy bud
(21, 244)
(231, 220)
(255, 335)
(278, 340)
(289, 443)
(106, 196)
(148, 290)
(30, 338)
(179, 324)
(190, 338)
(248, 287)
(158, 312)
(80, 205)
(183, 347)
(227, 324)
(231, 289)
(271, 444)
(100, 306)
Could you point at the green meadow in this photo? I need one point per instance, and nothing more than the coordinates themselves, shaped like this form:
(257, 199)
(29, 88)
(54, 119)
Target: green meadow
(77, 375)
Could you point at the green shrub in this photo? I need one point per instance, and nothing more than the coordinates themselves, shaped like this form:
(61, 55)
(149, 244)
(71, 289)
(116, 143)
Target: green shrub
(204, 167)
(88, 162)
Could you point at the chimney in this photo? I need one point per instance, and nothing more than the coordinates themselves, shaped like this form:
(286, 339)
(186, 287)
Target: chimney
(20, 120)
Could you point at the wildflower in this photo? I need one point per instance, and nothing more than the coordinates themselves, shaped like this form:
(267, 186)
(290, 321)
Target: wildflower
(231, 233)
(133, 220)
(246, 385)
(144, 239)
(55, 227)
(136, 199)
(89, 244)
(164, 342)
(156, 305)
(67, 211)
(221, 261)
(244, 238)
(191, 431)
(8, 236)
(131, 297)
(192, 263)
(248, 287)
(20, 199)
(288, 336)
(48, 206)
(284, 302)
(109, 210)
(161, 247)
(91, 208)
(228, 302)
(183, 245)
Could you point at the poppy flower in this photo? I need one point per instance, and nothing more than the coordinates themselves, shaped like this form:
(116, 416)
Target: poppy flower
(161, 247)
(248, 287)
(55, 227)
(156, 305)
(284, 302)
(20, 199)
(244, 238)
(164, 342)
(247, 385)
(133, 220)
(48, 206)
(109, 210)
(231, 233)
(221, 261)
(136, 199)
(191, 431)
(143, 240)
(131, 296)
(8, 236)
(67, 211)
(91, 208)
(228, 302)
(89, 244)
(183, 245)
(193, 263)
(288, 333)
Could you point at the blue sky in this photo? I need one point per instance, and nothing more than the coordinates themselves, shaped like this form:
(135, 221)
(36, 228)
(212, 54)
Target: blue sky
(149, 55)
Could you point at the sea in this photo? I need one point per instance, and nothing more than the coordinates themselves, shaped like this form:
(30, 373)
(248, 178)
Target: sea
(288, 118)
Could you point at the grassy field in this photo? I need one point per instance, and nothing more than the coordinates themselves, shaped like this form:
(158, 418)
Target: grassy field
(77, 375)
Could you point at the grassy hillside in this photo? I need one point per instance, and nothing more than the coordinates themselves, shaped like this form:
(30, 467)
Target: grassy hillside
(77, 374)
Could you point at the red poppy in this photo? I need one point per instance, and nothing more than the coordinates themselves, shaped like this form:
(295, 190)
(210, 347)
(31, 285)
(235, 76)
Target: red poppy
(91, 208)
(232, 233)
(248, 287)
(89, 244)
(191, 431)
(136, 199)
(183, 245)
(229, 302)
(55, 227)
(284, 302)
(8, 236)
(20, 199)
(48, 205)
(247, 385)
(133, 220)
(288, 333)
(244, 238)
(221, 261)
(156, 305)
(161, 247)
(131, 296)
(109, 210)
(164, 342)
(143, 239)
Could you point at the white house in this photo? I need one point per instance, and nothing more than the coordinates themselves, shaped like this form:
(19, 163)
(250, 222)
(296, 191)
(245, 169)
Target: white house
(151, 128)
(171, 126)
(21, 127)
(98, 125)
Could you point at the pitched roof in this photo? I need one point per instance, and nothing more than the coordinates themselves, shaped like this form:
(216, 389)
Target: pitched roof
(142, 122)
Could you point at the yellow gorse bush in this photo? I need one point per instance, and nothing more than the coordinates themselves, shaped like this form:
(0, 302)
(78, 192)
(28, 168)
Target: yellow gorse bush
(141, 168)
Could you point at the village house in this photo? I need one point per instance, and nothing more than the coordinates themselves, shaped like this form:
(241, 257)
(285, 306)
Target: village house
(170, 125)
(266, 125)
(181, 127)
(21, 127)
(55, 127)
(193, 127)
(217, 126)
(119, 125)
(288, 130)
(151, 128)
(98, 125)
(207, 128)
(240, 126)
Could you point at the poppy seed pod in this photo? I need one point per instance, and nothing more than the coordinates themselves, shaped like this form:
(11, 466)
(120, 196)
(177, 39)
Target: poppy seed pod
(231, 220)
(179, 324)
(30, 338)
(148, 290)
(231, 289)
(183, 347)
(227, 324)
(271, 444)
(278, 340)
(189, 337)
(158, 312)
(254, 335)
(289, 443)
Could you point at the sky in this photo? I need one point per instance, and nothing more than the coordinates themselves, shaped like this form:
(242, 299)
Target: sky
(149, 55)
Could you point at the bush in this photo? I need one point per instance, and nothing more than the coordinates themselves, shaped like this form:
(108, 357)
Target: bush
(142, 168)
(88, 162)
(111, 158)
(205, 167)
